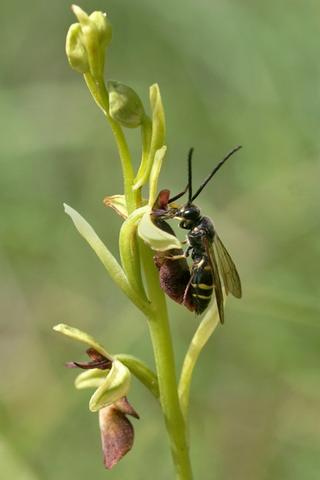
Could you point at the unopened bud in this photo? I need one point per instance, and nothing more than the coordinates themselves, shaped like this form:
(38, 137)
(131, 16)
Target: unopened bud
(125, 105)
(104, 27)
(87, 41)
(75, 49)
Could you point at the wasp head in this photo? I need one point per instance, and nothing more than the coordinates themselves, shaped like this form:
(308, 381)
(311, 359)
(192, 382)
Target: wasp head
(189, 215)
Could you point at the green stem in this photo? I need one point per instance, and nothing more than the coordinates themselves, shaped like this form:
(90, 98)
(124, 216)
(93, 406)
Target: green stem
(165, 365)
(101, 97)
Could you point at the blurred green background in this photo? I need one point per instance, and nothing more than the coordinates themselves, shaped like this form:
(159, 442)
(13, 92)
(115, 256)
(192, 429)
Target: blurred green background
(230, 72)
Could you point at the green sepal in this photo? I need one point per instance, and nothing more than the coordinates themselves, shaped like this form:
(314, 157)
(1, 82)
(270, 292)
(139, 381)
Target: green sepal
(82, 337)
(158, 118)
(156, 238)
(118, 204)
(115, 386)
(75, 49)
(154, 175)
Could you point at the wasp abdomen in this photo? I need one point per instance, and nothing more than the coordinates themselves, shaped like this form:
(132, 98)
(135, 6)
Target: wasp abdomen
(174, 273)
(202, 285)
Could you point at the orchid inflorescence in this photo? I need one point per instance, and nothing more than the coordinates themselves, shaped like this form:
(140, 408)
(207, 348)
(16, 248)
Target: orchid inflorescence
(136, 275)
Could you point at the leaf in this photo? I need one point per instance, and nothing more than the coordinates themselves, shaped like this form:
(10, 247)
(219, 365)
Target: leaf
(204, 331)
(104, 254)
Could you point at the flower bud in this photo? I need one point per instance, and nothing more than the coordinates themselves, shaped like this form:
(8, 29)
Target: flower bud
(75, 49)
(125, 106)
(104, 27)
(87, 41)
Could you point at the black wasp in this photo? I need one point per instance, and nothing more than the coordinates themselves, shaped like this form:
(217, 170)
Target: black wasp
(211, 262)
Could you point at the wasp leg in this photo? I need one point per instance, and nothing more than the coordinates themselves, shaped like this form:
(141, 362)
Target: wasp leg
(175, 257)
(187, 298)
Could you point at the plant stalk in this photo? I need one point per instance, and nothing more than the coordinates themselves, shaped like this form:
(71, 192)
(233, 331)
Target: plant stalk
(100, 94)
(165, 365)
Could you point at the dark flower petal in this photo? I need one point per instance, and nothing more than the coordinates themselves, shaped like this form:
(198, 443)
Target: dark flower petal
(117, 435)
(98, 361)
(125, 407)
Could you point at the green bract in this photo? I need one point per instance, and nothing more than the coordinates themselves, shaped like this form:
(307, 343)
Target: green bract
(154, 136)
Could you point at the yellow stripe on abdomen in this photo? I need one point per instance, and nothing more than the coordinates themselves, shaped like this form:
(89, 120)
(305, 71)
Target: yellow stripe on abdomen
(203, 297)
(202, 286)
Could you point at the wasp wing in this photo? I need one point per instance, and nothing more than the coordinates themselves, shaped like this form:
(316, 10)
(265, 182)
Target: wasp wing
(216, 277)
(228, 269)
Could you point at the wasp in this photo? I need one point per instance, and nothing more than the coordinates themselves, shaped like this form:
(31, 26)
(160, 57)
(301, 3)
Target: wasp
(212, 266)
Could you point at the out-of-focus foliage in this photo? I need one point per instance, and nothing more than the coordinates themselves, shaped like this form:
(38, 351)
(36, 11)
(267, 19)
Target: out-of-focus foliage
(230, 72)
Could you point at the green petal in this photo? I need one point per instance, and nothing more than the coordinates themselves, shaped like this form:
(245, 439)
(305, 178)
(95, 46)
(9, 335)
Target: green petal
(90, 378)
(115, 386)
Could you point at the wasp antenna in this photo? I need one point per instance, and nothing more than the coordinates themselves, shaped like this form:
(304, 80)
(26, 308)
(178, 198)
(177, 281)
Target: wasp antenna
(190, 175)
(176, 197)
(216, 168)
